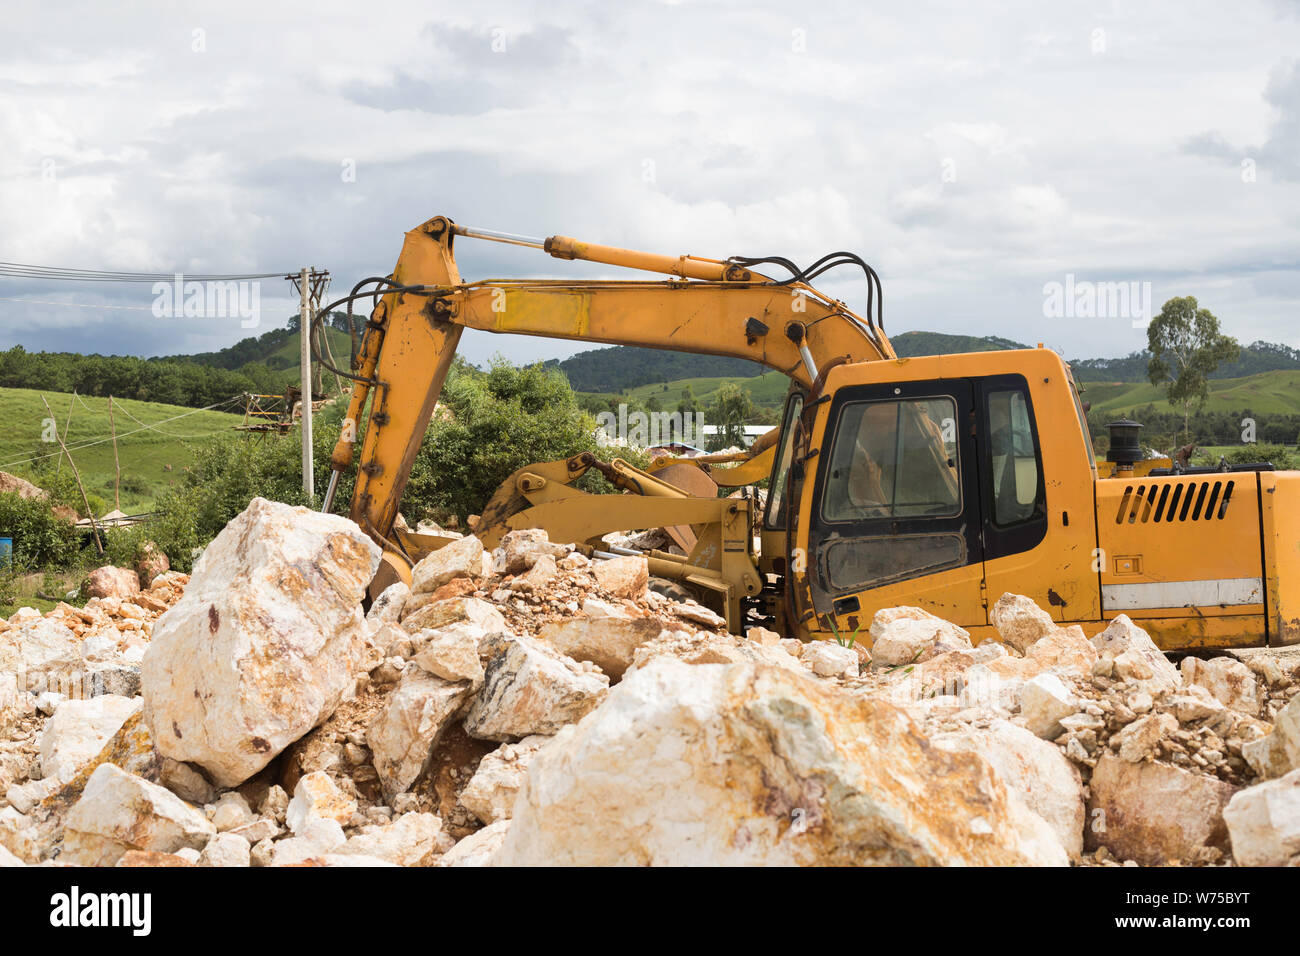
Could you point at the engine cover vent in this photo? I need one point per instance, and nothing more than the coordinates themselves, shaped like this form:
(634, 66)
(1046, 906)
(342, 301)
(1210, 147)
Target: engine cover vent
(1176, 501)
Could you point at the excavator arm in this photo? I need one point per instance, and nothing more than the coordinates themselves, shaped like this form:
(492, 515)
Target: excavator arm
(709, 306)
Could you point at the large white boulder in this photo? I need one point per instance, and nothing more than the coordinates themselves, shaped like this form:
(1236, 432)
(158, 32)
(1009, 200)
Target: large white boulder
(118, 812)
(721, 765)
(531, 689)
(605, 634)
(78, 731)
(263, 644)
(490, 793)
(1135, 656)
(1264, 822)
(403, 734)
(1035, 772)
(462, 558)
(907, 635)
(1154, 812)
(1020, 622)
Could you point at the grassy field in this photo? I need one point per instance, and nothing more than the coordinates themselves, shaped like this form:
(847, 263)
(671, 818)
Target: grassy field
(287, 356)
(154, 441)
(767, 390)
(1275, 392)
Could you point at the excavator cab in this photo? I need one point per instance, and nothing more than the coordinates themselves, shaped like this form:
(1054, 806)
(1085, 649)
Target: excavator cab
(918, 477)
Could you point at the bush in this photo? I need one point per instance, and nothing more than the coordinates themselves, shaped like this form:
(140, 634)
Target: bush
(40, 538)
(502, 419)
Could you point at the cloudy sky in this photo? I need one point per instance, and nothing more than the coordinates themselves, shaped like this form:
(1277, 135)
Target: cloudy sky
(973, 154)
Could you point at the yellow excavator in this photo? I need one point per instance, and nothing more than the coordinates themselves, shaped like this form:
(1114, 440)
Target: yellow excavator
(940, 481)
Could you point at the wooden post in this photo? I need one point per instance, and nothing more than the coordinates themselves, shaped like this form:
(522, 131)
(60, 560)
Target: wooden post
(94, 527)
(66, 425)
(117, 468)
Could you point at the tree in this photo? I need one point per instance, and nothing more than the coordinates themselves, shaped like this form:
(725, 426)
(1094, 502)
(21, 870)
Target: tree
(488, 425)
(1186, 347)
(731, 410)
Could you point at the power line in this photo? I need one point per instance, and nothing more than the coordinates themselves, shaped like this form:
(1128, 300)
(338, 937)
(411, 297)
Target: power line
(20, 270)
(79, 305)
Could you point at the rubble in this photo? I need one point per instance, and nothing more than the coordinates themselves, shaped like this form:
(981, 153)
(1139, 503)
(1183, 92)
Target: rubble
(531, 689)
(409, 726)
(1155, 812)
(118, 812)
(490, 793)
(906, 635)
(604, 633)
(1264, 822)
(533, 705)
(649, 778)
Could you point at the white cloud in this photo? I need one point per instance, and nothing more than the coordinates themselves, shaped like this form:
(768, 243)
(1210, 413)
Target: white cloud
(970, 156)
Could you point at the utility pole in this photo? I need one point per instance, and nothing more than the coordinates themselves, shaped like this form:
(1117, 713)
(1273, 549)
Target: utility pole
(304, 340)
(311, 285)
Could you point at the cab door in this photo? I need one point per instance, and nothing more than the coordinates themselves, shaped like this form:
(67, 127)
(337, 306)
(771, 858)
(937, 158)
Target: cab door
(895, 515)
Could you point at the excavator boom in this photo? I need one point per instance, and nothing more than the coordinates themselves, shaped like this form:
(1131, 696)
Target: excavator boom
(709, 306)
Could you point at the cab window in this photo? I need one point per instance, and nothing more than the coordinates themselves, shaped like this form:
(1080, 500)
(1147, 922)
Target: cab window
(894, 459)
(1016, 482)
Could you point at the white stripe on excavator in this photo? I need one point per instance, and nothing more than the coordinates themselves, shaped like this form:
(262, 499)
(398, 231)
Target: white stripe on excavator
(1210, 593)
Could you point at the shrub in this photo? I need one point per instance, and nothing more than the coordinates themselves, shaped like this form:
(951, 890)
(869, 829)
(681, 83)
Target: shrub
(40, 538)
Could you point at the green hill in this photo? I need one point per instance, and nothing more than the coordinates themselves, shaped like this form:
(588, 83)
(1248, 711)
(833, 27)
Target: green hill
(275, 351)
(912, 344)
(1266, 393)
(155, 441)
(1255, 358)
